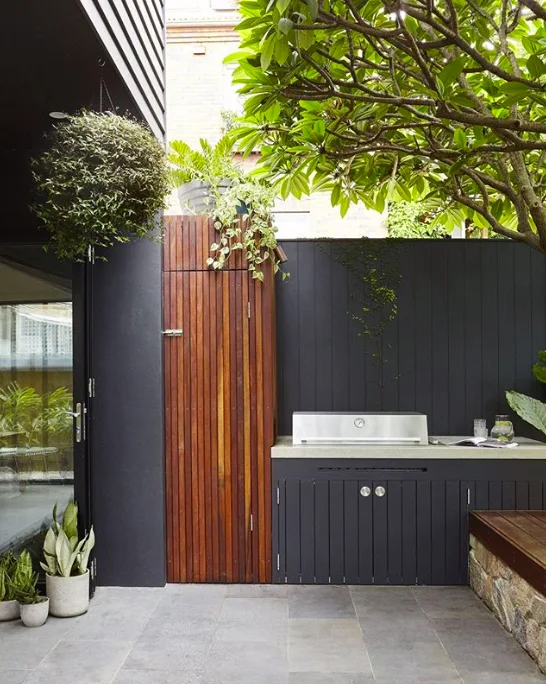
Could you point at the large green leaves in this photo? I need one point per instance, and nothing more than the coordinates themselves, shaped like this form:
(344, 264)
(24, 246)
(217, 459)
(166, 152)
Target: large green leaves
(530, 409)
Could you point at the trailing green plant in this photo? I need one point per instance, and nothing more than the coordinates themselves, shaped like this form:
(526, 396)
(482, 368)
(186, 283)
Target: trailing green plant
(240, 205)
(66, 555)
(103, 180)
(375, 277)
(211, 164)
(7, 568)
(533, 411)
(243, 218)
(24, 580)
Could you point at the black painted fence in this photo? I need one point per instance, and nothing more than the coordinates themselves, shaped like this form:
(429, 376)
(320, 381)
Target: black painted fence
(471, 317)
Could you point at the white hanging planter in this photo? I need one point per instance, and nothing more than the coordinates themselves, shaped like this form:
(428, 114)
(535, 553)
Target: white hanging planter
(35, 614)
(9, 610)
(68, 596)
(195, 197)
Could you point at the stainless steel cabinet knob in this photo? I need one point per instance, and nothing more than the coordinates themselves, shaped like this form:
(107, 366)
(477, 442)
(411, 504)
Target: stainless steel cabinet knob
(380, 491)
(365, 491)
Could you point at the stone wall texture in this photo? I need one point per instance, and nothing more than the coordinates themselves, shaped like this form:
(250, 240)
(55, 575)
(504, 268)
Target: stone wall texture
(517, 605)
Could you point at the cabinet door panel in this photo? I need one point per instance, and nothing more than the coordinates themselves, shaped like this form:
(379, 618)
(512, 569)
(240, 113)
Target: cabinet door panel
(337, 556)
(453, 532)
(424, 547)
(351, 521)
(409, 532)
(322, 532)
(307, 536)
(394, 532)
(365, 534)
(380, 534)
(293, 537)
(438, 527)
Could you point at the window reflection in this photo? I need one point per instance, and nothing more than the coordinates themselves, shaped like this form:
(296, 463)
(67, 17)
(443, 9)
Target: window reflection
(36, 425)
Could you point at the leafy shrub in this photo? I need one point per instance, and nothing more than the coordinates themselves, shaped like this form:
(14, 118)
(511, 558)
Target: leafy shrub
(102, 181)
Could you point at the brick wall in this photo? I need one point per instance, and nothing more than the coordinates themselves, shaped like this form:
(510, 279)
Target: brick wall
(198, 89)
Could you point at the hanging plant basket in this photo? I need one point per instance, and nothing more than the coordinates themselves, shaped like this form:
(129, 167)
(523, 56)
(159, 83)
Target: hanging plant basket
(103, 180)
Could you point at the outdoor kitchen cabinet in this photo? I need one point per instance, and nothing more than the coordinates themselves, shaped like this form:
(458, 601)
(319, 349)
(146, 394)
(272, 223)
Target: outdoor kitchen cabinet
(381, 521)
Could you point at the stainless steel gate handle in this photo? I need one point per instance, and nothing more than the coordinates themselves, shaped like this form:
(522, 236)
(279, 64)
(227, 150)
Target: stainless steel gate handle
(77, 415)
(365, 491)
(380, 491)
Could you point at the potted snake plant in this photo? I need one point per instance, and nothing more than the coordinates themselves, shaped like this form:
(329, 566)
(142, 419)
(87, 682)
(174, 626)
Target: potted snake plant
(9, 608)
(34, 608)
(66, 560)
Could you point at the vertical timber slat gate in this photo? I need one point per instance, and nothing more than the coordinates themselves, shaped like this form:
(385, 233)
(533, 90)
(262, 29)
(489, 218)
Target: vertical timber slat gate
(220, 402)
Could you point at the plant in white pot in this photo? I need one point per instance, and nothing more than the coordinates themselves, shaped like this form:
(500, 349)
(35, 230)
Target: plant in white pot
(202, 176)
(34, 608)
(66, 564)
(9, 608)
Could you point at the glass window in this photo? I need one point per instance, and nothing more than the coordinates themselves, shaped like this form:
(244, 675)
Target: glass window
(36, 452)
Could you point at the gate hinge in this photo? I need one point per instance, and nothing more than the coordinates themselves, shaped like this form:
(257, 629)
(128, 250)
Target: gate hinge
(251, 523)
(91, 254)
(93, 569)
(278, 562)
(91, 387)
(248, 309)
(176, 332)
(468, 496)
(278, 496)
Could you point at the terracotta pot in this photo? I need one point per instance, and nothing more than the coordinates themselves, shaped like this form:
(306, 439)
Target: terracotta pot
(35, 614)
(68, 596)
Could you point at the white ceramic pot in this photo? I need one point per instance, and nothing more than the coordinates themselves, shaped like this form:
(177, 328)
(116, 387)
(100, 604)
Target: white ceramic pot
(35, 614)
(9, 610)
(68, 596)
(194, 197)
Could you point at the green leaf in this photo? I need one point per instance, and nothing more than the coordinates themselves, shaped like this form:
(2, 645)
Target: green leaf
(313, 8)
(539, 371)
(514, 88)
(536, 66)
(282, 53)
(267, 52)
(530, 409)
(451, 72)
(285, 25)
(282, 5)
(459, 137)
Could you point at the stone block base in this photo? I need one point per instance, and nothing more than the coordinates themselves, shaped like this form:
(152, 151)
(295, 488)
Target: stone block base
(518, 605)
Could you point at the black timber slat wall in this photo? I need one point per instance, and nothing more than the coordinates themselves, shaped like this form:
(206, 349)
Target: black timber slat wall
(471, 317)
(133, 34)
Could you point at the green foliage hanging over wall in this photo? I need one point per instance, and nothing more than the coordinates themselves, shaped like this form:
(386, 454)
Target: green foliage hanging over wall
(449, 94)
(103, 180)
(412, 220)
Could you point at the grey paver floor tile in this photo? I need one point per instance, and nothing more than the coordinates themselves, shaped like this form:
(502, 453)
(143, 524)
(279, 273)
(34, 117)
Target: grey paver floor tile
(320, 602)
(326, 645)
(14, 676)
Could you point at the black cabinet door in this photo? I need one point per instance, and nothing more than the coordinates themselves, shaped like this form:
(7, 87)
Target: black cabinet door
(384, 532)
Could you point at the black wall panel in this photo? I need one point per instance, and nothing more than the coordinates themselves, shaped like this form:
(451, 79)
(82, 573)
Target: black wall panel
(471, 317)
(128, 460)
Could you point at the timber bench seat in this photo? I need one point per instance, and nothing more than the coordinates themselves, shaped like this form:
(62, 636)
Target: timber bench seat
(518, 538)
(508, 572)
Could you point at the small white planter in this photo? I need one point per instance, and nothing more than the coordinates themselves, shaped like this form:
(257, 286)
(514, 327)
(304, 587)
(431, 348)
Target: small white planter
(194, 197)
(35, 614)
(68, 596)
(9, 610)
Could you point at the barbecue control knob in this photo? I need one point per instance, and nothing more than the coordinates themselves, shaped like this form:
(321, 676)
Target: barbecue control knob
(365, 491)
(380, 491)
(359, 422)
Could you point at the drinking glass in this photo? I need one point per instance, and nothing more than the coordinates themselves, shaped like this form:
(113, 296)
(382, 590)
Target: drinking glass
(480, 427)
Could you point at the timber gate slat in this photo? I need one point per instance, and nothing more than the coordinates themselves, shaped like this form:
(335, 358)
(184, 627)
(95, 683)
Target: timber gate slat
(220, 402)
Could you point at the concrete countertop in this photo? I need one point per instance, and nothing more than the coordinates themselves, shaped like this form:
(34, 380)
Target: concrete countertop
(526, 449)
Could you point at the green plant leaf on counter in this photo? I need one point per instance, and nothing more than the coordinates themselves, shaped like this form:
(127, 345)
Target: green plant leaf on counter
(531, 410)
